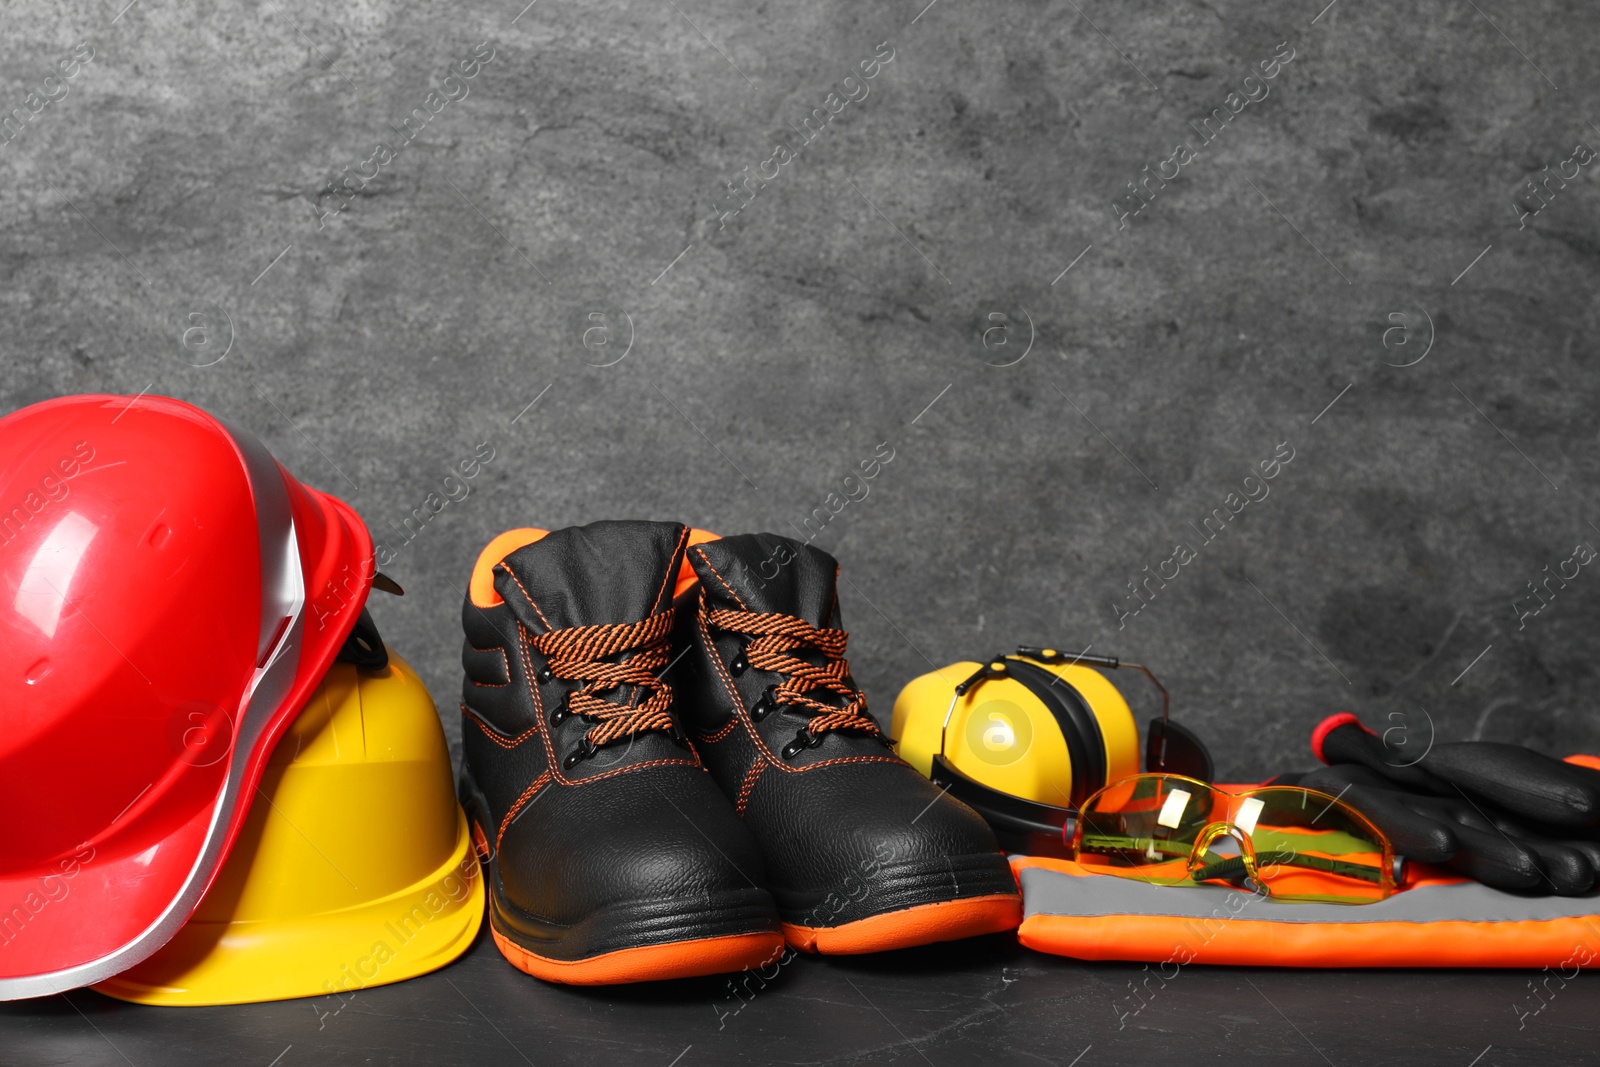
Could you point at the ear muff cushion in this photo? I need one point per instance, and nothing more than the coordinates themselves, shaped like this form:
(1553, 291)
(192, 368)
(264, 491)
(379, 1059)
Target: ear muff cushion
(1079, 727)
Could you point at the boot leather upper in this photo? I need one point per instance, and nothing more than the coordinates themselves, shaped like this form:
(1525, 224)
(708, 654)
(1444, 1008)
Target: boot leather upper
(829, 815)
(639, 820)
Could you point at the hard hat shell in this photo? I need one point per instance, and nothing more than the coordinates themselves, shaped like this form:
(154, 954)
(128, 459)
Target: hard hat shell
(169, 597)
(354, 869)
(1003, 734)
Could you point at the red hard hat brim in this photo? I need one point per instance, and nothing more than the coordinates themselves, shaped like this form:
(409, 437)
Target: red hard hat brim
(87, 916)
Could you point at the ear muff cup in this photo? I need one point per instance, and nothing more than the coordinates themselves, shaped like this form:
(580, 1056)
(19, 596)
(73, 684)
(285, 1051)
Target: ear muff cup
(1027, 739)
(1080, 729)
(1059, 731)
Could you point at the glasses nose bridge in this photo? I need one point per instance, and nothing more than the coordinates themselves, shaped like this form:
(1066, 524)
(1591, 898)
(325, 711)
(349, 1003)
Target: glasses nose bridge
(1214, 830)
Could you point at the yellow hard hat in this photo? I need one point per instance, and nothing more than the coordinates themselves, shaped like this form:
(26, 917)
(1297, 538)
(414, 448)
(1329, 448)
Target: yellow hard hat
(355, 867)
(1025, 737)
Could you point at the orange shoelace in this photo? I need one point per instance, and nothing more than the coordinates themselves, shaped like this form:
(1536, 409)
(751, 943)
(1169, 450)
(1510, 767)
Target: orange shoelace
(775, 636)
(580, 654)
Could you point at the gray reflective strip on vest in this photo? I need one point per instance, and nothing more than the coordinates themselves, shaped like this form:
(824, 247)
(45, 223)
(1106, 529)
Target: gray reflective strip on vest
(1047, 892)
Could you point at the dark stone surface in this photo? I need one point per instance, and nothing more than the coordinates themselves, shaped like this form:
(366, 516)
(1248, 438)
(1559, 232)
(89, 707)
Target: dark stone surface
(981, 1001)
(1368, 198)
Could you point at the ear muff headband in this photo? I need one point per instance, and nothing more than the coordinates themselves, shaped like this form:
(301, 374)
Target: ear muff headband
(1080, 728)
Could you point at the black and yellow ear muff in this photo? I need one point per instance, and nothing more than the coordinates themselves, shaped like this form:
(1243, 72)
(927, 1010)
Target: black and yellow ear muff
(1025, 738)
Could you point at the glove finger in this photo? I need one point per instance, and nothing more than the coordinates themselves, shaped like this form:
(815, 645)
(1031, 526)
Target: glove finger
(1489, 857)
(1568, 869)
(1458, 812)
(1342, 739)
(1417, 834)
(1582, 772)
(1524, 782)
(1338, 777)
(1508, 853)
(1573, 864)
(1411, 833)
(1589, 850)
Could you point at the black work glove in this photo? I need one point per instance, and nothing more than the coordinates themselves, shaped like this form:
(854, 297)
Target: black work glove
(1502, 815)
(1472, 841)
(1522, 782)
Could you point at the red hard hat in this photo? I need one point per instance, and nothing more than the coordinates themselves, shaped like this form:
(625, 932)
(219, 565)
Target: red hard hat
(169, 598)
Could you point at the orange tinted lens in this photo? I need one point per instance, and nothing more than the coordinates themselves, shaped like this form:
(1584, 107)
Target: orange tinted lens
(1143, 827)
(1310, 846)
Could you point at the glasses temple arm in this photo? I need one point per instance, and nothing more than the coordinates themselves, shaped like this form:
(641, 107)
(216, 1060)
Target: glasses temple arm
(1228, 866)
(1232, 865)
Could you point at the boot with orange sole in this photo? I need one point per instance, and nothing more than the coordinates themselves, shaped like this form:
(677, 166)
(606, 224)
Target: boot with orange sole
(611, 856)
(862, 852)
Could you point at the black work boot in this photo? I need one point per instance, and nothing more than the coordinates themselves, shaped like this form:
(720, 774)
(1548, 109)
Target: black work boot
(611, 854)
(862, 852)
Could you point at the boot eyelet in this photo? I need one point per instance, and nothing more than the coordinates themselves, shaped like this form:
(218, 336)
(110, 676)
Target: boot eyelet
(578, 755)
(543, 674)
(804, 739)
(559, 715)
(764, 706)
(740, 662)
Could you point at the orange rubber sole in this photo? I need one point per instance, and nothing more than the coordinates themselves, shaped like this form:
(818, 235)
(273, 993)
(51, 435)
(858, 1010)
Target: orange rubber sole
(948, 920)
(727, 954)
(650, 963)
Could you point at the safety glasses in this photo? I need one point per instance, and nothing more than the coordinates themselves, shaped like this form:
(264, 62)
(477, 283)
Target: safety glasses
(1291, 844)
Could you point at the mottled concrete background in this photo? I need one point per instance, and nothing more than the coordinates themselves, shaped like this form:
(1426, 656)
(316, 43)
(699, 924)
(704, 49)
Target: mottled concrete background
(174, 205)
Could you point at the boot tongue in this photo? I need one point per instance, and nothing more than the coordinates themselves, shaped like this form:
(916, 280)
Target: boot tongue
(768, 573)
(606, 572)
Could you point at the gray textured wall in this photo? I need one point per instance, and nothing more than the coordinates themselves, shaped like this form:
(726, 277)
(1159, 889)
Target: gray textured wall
(868, 293)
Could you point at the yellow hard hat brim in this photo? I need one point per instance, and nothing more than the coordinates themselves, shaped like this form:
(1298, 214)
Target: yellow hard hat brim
(411, 933)
(356, 867)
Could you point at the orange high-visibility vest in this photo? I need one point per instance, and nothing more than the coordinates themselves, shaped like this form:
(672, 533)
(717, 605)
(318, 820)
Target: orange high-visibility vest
(1435, 920)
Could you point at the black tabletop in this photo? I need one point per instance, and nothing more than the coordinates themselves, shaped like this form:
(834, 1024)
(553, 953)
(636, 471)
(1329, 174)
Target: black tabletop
(987, 1000)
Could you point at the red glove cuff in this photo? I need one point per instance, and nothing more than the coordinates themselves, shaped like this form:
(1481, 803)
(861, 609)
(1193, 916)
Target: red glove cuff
(1327, 726)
